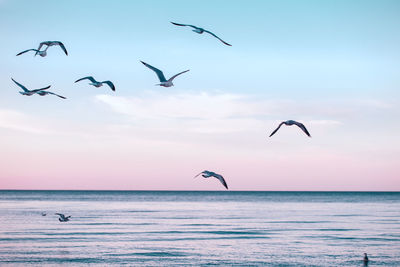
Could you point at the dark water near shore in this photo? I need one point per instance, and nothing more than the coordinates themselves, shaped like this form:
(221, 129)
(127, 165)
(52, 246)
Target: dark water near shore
(159, 228)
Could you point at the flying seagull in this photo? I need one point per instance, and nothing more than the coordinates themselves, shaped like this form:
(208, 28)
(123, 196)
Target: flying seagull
(200, 31)
(62, 217)
(161, 77)
(51, 43)
(96, 83)
(40, 91)
(208, 174)
(38, 52)
(289, 123)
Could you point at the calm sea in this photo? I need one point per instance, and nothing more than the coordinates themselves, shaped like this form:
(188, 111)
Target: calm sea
(165, 228)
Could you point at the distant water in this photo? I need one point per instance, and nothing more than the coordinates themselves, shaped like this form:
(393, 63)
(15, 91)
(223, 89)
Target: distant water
(161, 228)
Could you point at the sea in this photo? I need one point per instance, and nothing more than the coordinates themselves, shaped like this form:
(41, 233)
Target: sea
(199, 228)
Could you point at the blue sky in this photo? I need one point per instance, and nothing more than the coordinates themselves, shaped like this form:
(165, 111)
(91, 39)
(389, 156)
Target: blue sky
(332, 64)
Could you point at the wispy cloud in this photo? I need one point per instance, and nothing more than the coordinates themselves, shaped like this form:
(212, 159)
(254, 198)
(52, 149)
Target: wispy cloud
(11, 119)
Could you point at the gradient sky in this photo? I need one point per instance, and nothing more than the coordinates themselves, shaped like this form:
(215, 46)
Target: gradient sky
(333, 65)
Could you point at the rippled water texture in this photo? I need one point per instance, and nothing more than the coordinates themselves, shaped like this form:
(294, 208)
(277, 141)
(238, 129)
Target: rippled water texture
(155, 228)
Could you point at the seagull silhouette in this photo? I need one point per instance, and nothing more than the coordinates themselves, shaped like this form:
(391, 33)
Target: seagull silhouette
(38, 52)
(208, 174)
(96, 83)
(200, 31)
(289, 123)
(62, 217)
(40, 91)
(161, 77)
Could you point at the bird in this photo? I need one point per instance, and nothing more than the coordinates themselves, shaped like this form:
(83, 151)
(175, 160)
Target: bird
(44, 214)
(207, 174)
(62, 217)
(42, 53)
(200, 31)
(51, 43)
(365, 258)
(163, 82)
(289, 123)
(96, 83)
(40, 91)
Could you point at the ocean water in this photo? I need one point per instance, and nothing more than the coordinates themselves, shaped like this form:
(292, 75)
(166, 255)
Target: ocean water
(168, 228)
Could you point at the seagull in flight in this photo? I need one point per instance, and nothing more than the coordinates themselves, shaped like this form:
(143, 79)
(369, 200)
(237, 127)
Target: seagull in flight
(42, 53)
(289, 123)
(96, 83)
(208, 174)
(62, 217)
(40, 91)
(161, 77)
(200, 31)
(51, 43)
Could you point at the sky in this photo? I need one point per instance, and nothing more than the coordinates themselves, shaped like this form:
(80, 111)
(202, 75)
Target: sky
(332, 65)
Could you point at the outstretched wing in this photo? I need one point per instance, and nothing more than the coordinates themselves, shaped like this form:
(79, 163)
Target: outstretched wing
(88, 78)
(20, 53)
(159, 73)
(62, 47)
(37, 90)
(217, 37)
(221, 179)
(110, 84)
(51, 93)
(276, 129)
(303, 128)
(20, 85)
(179, 24)
(199, 174)
(173, 77)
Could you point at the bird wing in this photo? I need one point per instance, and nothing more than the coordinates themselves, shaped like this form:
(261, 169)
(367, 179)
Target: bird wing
(217, 37)
(61, 215)
(199, 174)
(110, 84)
(51, 93)
(62, 47)
(88, 77)
(20, 85)
(20, 53)
(40, 46)
(303, 128)
(37, 90)
(159, 73)
(276, 129)
(178, 24)
(173, 77)
(221, 179)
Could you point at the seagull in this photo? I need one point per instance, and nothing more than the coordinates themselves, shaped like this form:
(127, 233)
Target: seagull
(365, 258)
(62, 217)
(96, 83)
(42, 53)
(289, 123)
(200, 31)
(161, 77)
(51, 43)
(40, 91)
(44, 214)
(207, 174)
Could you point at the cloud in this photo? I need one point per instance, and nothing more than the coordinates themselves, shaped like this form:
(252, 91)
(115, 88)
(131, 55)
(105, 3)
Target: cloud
(10, 119)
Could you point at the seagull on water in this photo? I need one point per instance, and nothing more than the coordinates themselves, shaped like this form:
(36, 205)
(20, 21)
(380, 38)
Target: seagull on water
(51, 43)
(44, 213)
(40, 91)
(62, 217)
(96, 83)
(208, 174)
(42, 53)
(289, 123)
(200, 31)
(161, 77)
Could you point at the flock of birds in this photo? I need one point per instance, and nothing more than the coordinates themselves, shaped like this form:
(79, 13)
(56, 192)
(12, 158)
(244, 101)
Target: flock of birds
(163, 82)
